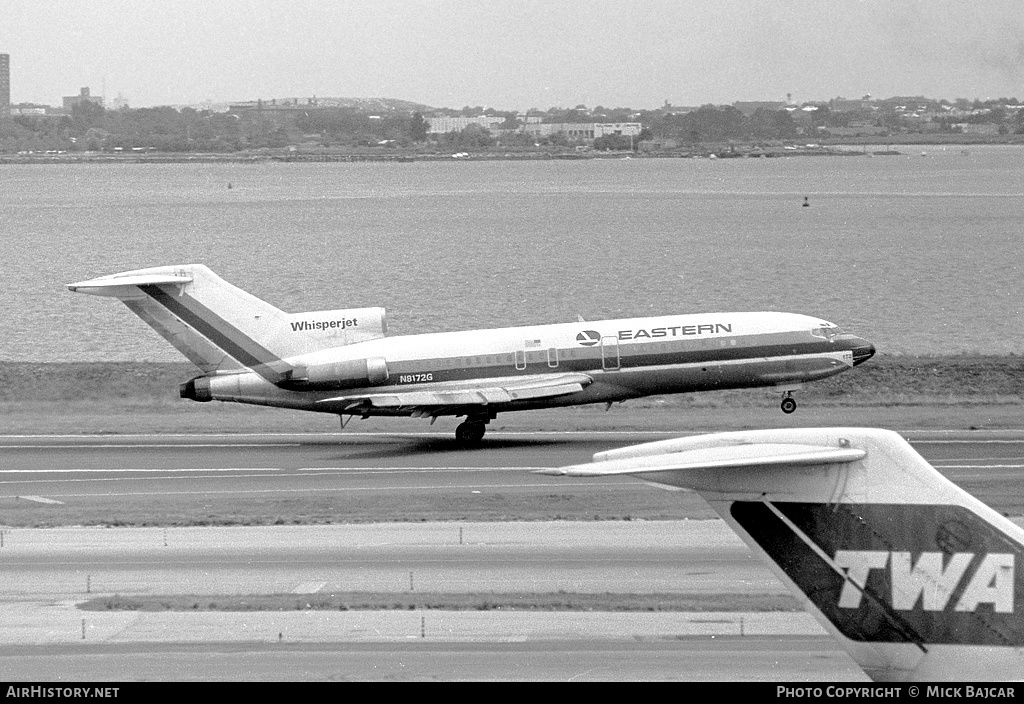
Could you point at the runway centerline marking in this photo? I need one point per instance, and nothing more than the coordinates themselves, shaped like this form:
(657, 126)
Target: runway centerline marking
(978, 466)
(976, 441)
(151, 469)
(135, 446)
(979, 459)
(244, 472)
(235, 492)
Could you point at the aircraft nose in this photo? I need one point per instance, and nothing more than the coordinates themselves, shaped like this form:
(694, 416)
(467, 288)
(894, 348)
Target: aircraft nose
(862, 351)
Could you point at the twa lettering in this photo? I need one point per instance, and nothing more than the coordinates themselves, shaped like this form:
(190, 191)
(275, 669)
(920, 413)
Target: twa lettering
(325, 324)
(929, 581)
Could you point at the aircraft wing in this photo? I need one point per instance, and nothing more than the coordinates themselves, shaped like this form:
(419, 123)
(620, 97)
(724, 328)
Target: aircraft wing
(430, 397)
(730, 456)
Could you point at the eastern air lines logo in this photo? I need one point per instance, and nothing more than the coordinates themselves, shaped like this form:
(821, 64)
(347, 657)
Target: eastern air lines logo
(588, 338)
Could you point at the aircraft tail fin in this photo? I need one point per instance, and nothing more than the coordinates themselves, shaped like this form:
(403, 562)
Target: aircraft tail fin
(916, 578)
(220, 327)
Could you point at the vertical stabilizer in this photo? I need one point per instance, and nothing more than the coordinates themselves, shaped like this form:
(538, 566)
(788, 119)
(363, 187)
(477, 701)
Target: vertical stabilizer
(220, 327)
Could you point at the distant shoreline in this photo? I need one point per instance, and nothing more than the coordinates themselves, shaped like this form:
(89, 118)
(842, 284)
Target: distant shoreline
(397, 158)
(384, 154)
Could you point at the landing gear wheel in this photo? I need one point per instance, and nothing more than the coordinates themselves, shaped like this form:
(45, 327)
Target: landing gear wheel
(788, 405)
(470, 432)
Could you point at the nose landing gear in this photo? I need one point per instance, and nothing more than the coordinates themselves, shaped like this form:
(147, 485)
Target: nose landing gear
(788, 403)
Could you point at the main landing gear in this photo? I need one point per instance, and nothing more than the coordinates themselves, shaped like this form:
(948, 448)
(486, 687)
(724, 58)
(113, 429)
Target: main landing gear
(471, 431)
(788, 403)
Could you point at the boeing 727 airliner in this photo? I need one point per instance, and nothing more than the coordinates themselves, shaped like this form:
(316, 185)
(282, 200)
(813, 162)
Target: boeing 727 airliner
(341, 362)
(916, 579)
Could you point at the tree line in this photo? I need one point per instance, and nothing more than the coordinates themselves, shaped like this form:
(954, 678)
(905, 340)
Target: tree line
(90, 127)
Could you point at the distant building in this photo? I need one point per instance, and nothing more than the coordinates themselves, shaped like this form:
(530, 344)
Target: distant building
(669, 109)
(983, 128)
(857, 130)
(29, 110)
(584, 131)
(573, 131)
(83, 97)
(628, 129)
(444, 125)
(802, 116)
(35, 110)
(282, 112)
(5, 82)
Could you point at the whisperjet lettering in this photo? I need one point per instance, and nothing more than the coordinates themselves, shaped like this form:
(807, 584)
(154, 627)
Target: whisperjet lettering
(676, 331)
(324, 324)
(929, 580)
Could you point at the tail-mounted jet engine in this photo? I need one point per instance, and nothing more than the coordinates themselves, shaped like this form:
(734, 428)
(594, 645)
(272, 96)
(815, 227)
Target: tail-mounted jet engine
(338, 375)
(316, 377)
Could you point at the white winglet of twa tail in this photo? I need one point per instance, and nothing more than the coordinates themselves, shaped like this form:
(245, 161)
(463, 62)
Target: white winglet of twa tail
(340, 361)
(916, 578)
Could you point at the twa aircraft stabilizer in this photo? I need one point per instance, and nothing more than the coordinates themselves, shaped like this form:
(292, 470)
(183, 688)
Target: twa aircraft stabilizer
(916, 578)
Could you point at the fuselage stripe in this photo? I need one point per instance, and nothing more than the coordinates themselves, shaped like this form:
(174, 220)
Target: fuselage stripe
(503, 364)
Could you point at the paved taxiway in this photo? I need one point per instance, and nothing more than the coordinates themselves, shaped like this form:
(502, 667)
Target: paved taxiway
(45, 572)
(585, 557)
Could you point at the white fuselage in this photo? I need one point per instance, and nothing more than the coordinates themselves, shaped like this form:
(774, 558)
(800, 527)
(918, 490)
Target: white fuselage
(626, 358)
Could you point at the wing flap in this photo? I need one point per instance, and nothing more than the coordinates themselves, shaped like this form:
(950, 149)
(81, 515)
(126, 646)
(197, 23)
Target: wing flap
(480, 393)
(734, 456)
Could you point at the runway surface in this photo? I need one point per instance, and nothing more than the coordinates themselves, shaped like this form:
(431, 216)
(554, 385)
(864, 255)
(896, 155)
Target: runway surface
(197, 473)
(47, 571)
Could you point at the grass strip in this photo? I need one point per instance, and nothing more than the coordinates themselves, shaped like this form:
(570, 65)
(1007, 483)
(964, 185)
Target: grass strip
(413, 601)
(885, 378)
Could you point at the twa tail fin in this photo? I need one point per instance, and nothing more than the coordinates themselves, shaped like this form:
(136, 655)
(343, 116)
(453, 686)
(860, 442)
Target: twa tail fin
(219, 327)
(917, 579)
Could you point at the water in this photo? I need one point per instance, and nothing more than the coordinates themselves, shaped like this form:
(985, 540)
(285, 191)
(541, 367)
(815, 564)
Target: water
(921, 255)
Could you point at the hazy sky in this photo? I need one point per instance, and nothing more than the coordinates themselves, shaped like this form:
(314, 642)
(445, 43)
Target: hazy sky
(513, 54)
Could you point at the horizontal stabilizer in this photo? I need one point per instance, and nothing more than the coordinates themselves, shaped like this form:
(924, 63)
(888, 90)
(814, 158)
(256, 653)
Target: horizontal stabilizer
(122, 285)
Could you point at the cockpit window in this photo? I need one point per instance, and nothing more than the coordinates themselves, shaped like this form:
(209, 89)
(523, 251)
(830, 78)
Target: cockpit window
(826, 333)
